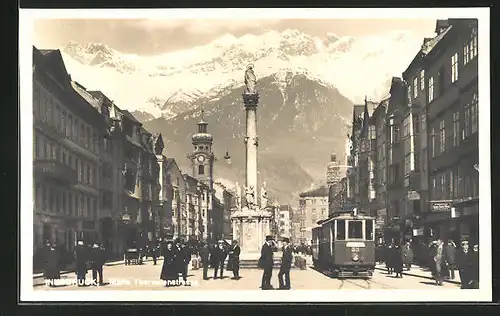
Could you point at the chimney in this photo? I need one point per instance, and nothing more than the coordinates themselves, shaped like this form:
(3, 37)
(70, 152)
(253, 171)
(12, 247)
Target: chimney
(441, 26)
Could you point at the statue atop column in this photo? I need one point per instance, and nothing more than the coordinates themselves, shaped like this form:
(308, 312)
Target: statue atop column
(250, 80)
(263, 196)
(250, 196)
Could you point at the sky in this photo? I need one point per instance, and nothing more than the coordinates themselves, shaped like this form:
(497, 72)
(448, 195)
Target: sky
(150, 37)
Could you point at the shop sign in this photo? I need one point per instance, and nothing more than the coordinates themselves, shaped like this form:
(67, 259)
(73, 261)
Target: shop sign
(418, 232)
(413, 196)
(380, 220)
(440, 206)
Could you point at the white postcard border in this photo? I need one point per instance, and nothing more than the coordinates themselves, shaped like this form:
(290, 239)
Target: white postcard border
(26, 18)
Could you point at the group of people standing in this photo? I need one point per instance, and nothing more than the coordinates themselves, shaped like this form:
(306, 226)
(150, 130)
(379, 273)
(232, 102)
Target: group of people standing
(440, 258)
(87, 257)
(266, 262)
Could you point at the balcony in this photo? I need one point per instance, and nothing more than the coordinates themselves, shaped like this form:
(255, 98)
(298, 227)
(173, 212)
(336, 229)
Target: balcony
(56, 171)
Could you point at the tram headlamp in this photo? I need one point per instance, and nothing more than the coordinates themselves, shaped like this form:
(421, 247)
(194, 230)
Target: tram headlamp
(355, 256)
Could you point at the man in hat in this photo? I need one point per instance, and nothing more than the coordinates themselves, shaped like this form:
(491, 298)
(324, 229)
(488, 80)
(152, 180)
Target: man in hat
(97, 260)
(266, 263)
(219, 256)
(81, 262)
(205, 256)
(233, 263)
(286, 265)
(182, 258)
(464, 263)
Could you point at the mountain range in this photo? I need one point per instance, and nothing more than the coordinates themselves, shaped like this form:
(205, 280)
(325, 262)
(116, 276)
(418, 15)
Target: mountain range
(307, 86)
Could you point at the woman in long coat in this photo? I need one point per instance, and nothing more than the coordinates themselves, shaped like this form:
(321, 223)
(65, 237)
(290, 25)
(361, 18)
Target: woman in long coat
(389, 258)
(407, 256)
(51, 264)
(168, 270)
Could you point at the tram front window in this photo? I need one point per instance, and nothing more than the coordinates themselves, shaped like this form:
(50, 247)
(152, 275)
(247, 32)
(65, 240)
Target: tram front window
(355, 229)
(340, 230)
(369, 230)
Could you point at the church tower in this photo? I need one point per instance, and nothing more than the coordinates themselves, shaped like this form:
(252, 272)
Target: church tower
(202, 158)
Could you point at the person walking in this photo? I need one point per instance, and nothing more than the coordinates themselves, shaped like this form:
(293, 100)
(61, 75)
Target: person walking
(205, 259)
(286, 265)
(266, 263)
(51, 264)
(389, 255)
(475, 267)
(219, 255)
(464, 264)
(450, 263)
(233, 263)
(169, 272)
(407, 256)
(81, 257)
(154, 252)
(397, 260)
(97, 260)
(439, 261)
(182, 258)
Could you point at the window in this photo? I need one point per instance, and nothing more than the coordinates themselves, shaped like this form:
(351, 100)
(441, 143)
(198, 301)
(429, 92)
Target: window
(340, 229)
(415, 87)
(355, 229)
(369, 229)
(396, 133)
(201, 169)
(431, 89)
(49, 110)
(466, 54)
(456, 128)
(454, 67)
(467, 117)
(433, 142)
(450, 185)
(422, 80)
(473, 44)
(474, 114)
(443, 186)
(69, 127)
(373, 133)
(442, 135)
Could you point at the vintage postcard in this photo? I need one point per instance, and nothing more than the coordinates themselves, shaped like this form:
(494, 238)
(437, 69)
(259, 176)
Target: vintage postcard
(227, 154)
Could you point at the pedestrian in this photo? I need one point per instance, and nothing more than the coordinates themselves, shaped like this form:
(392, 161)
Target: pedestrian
(450, 259)
(182, 258)
(154, 253)
(169, 272)
(407, 256)
(51, 264)
(475, 267)
(389, 255)
(233, 263)
(464, 264)
(266, 262)
(205, 256)
(397, 261)
(439, 262)
(219, 255)
(286, 265)
(97, 260)
(81, 257)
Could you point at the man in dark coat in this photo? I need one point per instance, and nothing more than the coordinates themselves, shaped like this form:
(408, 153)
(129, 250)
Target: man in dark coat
(266, 262)
(407, 255)
(169, 272)
(81, 257)
(182, 258)
(97, 261)
(51, 264)
(154, 251)
(205, 257)
(219, 255)
(450, 250)
(233, 263)
(464, 264)
(397, 260)
(286, 265)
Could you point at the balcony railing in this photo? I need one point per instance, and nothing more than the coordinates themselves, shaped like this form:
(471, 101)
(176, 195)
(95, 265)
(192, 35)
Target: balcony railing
(51, 169)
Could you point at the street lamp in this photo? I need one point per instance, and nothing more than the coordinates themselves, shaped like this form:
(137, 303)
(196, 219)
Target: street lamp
(227, 157)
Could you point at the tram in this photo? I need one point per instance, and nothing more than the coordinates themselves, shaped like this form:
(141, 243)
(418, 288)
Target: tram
(344, 244)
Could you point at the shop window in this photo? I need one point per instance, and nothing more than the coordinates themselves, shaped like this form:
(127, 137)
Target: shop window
(355, 229)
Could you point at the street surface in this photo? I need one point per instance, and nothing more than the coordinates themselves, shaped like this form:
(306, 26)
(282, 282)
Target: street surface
(146, 277)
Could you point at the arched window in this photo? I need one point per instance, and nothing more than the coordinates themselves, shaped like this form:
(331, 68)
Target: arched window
(201, 169)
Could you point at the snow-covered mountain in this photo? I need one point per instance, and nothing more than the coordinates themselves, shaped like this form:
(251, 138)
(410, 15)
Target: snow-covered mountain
(171, 83)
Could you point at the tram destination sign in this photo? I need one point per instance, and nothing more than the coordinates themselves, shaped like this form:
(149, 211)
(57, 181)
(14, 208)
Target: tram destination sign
(440, 206)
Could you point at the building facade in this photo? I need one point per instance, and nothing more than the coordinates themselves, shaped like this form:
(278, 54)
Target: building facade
(65, 156)
(313, 205)
(175, 199)
(284, 223)
(451, 76)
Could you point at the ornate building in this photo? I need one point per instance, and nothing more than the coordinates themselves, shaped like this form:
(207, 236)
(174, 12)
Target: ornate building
(65, 156)
(175, 192)
(313, 205)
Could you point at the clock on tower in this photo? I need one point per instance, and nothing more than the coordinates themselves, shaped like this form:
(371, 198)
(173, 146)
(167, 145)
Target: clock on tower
(202, 157)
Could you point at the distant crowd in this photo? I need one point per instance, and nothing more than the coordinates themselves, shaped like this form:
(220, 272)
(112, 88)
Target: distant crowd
(441, 259)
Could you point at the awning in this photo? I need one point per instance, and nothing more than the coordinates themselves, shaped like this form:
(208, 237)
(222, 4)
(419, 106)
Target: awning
(465, 202)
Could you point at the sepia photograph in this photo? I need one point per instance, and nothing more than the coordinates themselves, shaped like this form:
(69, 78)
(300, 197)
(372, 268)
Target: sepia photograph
(222, 155)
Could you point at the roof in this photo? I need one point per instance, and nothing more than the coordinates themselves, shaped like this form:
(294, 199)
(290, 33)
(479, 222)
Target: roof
(130, 117)
(358, 109)
(318, 192)
(169, 162)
